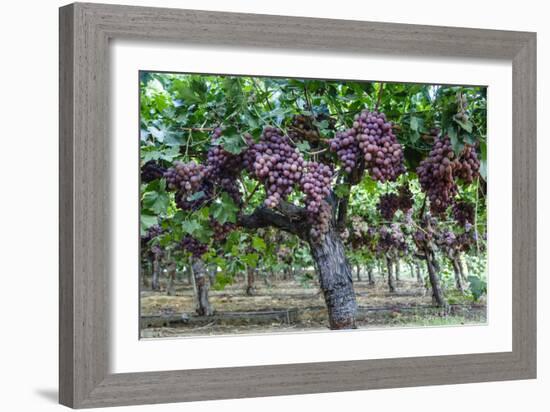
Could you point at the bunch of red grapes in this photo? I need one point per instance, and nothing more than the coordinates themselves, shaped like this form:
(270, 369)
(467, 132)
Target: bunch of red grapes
(372, 141)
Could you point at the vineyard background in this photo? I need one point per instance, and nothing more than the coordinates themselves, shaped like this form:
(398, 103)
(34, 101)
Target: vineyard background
(413, 239)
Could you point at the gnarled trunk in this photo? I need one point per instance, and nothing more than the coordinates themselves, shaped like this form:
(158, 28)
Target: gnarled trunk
(358, 272)
(201, 282)
(250, 282)
(458, 274)
(171, 287)
(397, 269)
(155, 282)
(370, 274)
(462, 268)
(438, 298)
(335, 279)
(391, 280)
(419, 277)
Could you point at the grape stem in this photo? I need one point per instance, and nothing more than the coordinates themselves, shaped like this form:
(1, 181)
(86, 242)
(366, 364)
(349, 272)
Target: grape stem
(250, 195)
(380, 93)
(198, 129)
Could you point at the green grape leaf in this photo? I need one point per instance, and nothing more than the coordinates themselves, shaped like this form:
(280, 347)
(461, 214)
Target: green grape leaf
(146, 221)
(258, 243)
(224, 210)
(341, 190)
(251, 259)
(191, 227)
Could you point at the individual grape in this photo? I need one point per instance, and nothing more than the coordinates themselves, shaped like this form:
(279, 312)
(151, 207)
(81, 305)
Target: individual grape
(151, 171)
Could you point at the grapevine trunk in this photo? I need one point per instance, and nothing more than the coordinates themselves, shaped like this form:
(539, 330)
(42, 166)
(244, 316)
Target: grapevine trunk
(335, 280)
(155, 282)
(199, 273)
(391, 280)
(437, 293)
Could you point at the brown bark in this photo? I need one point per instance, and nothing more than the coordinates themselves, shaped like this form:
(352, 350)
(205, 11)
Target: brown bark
(250, 282)
(335, 280)
(458, 275)
(397, 269)
(155, 282)
(370, 274)
(171, 274)
(438, 298)
(419, 277)
(391, 279)
(201, 281)
(333, 269)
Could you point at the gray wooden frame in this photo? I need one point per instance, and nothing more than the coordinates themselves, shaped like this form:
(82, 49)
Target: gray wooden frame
(85, 31)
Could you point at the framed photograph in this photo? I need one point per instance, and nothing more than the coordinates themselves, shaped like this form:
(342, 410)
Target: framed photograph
(256, 205)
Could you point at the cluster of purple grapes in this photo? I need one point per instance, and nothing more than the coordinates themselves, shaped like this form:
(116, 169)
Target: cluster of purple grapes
(425, 232)
(320, 222)
(390, 203)
(184, 202)
(276, 164)
(464, 213)
(223, 167)
(361, 234)
(185, 178)
(468, 164)
(391, 239)
(315, 184)
(372, 138)
(157, 251)
(302, 128)
(151, 233)
(151, 171)
(220, 231)
(406, 199)
(446, 238)
(448, 241)
(193, 246)
(345, 145)
(437, 173)
(219, 161)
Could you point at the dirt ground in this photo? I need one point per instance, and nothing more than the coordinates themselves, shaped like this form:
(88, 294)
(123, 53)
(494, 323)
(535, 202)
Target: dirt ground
(237, 313)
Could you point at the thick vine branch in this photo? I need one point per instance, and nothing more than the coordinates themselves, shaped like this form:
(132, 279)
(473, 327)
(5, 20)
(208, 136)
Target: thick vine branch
(289, 218)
